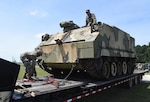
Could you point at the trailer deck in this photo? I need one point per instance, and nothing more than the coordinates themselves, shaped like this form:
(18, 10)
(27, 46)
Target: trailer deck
(45, 89)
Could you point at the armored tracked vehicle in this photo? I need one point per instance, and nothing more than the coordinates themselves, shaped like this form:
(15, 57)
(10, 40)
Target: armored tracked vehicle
(101, 50)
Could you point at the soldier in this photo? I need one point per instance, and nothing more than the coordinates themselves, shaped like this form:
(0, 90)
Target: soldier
(90, 18)
(29, 61)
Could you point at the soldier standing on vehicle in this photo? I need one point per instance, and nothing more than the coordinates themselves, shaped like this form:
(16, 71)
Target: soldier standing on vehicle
(90, 18)
(29, 61)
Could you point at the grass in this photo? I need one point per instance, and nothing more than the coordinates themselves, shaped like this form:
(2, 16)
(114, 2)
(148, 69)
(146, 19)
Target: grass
(39, 71)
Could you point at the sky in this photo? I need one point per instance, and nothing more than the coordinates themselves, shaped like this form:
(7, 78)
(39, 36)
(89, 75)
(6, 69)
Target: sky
(22, 22)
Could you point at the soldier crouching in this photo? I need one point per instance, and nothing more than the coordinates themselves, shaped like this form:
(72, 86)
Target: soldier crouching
(29, 61)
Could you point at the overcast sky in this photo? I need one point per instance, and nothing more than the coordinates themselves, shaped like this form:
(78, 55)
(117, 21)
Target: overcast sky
(23, 21)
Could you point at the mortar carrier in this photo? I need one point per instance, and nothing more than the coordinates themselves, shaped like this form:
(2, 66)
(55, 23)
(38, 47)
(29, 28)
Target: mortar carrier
(101, 51)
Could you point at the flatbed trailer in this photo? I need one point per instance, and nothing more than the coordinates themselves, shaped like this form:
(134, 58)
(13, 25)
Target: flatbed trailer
(48, 89)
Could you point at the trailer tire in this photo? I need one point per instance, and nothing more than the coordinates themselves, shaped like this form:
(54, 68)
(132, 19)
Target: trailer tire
(136, 80)
(130, 83)
(139, 78)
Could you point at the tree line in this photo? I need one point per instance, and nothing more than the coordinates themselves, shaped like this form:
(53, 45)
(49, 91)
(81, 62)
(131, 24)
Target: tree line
(143, 53)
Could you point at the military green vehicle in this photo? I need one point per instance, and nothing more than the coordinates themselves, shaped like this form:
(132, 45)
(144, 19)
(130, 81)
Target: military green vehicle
(102, 51)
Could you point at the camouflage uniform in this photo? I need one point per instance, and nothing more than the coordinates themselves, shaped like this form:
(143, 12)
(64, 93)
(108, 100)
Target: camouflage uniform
(29, 61)
(90, 18)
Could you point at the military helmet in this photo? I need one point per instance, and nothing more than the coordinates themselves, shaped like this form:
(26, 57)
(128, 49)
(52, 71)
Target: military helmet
(87, 10)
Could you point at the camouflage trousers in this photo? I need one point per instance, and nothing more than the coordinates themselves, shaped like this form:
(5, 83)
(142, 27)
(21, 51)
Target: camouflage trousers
(29, 69)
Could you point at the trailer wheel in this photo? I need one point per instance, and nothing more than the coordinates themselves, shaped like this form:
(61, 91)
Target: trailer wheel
(113, 69)
(136, 80)
(105, 70)
(124, 68)
(139, 78)
(130, 83)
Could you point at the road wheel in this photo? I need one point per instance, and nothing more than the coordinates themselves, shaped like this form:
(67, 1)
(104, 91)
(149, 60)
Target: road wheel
(105, 70)
(113, 69)
(119, 68)
(124, 68)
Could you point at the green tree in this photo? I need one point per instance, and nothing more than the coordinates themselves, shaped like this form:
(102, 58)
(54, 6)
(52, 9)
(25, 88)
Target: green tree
(143, 53)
